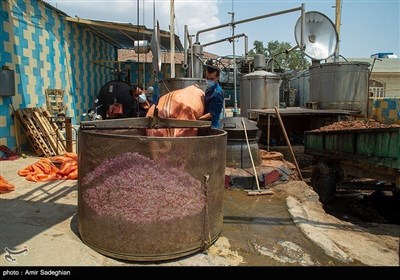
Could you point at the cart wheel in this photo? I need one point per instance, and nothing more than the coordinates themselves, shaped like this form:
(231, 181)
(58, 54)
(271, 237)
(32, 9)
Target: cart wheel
(396, 195)
(323, 181)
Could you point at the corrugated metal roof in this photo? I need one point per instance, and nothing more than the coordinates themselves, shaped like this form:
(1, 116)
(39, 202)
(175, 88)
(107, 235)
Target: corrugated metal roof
(121, 35)
(53, 8)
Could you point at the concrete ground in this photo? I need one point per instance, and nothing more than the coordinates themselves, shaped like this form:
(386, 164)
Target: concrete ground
(38, 224)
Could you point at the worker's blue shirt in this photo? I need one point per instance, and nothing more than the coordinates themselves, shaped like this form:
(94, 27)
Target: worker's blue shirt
(214, 101)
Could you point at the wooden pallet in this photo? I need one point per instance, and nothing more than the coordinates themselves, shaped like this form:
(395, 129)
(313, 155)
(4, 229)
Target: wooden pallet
(55, 101)
(44, 136)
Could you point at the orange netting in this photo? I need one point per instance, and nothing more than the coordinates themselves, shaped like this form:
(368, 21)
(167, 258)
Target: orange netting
(46, 170)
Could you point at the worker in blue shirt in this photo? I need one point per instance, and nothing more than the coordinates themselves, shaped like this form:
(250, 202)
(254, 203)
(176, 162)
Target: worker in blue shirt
(214, 97)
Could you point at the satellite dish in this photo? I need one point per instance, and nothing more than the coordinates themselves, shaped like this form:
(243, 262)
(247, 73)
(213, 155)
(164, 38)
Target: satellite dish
(156, 49)
(320, 37)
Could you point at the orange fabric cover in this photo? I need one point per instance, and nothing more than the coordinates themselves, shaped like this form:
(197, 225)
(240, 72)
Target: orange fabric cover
(5, 186)
(45, 170)
(182, 104)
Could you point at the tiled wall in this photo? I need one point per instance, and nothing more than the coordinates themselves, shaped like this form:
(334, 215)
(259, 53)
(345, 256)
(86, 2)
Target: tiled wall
(46, 51)
(385, 110)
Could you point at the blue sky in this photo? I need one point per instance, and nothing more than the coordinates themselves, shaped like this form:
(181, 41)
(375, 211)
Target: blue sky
(367, 27)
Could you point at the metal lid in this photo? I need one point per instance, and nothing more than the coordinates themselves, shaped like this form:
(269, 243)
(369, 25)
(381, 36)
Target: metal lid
(235, 123)
(342, 63)
(261, 73)
(235, 129)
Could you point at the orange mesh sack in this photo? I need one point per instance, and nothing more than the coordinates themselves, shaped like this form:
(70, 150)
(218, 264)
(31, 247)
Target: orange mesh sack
(182, 104)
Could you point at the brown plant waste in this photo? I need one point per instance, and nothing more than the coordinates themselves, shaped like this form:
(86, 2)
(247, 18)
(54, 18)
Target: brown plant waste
(357, 124)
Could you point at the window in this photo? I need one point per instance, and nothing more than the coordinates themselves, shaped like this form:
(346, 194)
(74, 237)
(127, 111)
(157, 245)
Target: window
(376, 89)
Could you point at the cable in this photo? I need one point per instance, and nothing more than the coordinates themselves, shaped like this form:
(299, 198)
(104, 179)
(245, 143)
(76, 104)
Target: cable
(11, 105)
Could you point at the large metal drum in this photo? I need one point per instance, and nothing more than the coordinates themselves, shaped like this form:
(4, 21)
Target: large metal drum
(302, 85)
(172, 84)
(340, 85)
(259, 90)
(237, 154)
(150, 198)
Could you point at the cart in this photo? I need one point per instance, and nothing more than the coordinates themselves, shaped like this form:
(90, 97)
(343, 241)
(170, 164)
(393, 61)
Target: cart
(354, 159)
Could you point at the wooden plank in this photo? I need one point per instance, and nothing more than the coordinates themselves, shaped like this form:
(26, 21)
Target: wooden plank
(30, 133)
(31, 138)
(40, 137)
(44, 136)
(52, 133)
(40, 122)
(60, 136)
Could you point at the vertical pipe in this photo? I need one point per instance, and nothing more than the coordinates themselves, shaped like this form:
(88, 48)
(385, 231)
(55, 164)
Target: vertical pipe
(145, 59)
(268, 131)
(137, 38)
(303, 19)
(172, 38)
(247, 112)
(185, 44)
(198, 60)
(154, 14)
(234, 67)
(338, 12)
(192, 60)
(68, 135)
(246, 46)
(154, 27)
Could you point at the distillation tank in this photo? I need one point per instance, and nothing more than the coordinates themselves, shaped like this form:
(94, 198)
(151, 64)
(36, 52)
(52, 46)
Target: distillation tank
(259, 89)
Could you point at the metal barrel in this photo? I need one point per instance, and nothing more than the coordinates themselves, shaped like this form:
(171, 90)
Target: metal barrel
(150, 198)
(340, 85)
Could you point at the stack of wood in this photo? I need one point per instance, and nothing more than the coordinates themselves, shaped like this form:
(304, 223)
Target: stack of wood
(44, 136)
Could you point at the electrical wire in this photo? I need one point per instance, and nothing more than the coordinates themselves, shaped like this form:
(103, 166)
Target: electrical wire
(11, 105)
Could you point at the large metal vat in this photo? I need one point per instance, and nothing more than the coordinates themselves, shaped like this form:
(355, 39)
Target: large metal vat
(340, 85)
(259, 89)
(150, 198)
(168, 85)
(302, 85)
(237, 154)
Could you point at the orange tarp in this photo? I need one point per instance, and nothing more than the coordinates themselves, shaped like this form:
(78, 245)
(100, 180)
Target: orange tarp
(182, 104)
(5, 186)
(45, 169)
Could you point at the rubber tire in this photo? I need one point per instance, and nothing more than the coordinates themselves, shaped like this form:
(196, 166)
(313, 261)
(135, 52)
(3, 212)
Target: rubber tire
(323, 181)
(396, 195)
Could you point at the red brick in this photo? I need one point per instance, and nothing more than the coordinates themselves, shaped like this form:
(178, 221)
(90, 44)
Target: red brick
(271, 177)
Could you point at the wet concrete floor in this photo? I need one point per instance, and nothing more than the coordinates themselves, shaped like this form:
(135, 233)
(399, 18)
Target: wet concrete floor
(257, 230)
(261, 229)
